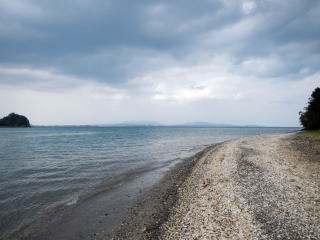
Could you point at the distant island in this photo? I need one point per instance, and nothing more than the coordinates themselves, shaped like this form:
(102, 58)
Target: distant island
(14, 120)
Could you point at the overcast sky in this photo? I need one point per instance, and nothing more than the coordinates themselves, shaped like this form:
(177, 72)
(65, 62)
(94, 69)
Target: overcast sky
(107, 61)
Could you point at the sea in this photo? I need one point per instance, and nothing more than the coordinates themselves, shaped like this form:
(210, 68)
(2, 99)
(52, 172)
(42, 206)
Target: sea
(42, 168)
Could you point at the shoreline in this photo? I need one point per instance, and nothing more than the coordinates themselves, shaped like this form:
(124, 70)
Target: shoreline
(96, 212)
(68, 221)
(258, 198)
(260, 187)
(146, 217)
(170, 208)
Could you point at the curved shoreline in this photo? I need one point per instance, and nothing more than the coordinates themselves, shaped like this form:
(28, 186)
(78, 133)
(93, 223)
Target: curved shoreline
(99, 215)
(238, 189)
(96, 211)
(260, 187)
(145, 219)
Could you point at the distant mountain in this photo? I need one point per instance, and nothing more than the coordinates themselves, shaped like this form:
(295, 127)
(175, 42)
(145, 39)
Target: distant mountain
(14, 120)
(221, 125)
(157, 124)
(207, 124)
(134, 124)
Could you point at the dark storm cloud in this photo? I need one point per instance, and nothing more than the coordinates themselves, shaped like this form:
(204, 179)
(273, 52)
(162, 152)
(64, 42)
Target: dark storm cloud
(114, 41)
(64, 27)
(67, 34)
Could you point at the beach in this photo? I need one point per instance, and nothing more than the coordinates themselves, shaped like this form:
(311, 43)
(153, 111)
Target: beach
(257, 187)
(260, 187)
(75, 182)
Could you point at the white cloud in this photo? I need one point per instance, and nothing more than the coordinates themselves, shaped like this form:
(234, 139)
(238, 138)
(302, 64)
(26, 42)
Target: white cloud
(20, 9)
(232, 34)
(37, 73)
(185, 94)
(262, 66)
(50, 81)
(212, 80)
(305, 70)
(248, 7)
(193, 93)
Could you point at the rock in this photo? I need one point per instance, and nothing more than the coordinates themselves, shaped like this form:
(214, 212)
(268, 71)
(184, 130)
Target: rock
(205, 182)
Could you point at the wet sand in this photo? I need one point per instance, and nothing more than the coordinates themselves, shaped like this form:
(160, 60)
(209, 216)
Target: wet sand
(98, 214)
(142, 201)
(146, 218)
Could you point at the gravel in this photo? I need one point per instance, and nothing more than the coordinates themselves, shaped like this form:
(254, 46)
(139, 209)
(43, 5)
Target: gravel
(261, 187)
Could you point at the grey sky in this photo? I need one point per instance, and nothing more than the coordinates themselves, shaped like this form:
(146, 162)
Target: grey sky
(98, 61)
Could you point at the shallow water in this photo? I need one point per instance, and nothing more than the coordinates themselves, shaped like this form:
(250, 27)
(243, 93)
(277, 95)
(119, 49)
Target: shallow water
(43, 167)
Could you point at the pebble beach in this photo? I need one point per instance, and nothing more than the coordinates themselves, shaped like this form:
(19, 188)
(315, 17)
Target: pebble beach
(261, 187)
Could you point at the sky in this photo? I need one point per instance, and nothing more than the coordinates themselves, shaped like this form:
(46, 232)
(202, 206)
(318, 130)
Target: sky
(107, 61)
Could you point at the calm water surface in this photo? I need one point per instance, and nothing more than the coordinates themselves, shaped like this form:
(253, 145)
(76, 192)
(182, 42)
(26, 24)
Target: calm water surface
(43, 167)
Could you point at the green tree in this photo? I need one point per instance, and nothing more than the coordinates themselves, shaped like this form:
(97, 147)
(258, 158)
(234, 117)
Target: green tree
(310, 117)
(14, 120)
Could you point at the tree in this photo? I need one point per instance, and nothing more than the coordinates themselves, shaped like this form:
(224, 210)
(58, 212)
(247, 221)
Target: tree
(310, 117)
(14, 120)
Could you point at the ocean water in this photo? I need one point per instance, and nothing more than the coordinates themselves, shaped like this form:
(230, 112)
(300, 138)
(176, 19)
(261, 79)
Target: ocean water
(45, 167)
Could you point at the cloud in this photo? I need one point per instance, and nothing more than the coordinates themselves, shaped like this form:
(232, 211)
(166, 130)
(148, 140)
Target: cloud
(48, 81)
(20, 9)
(248, 7)
(166, 54)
